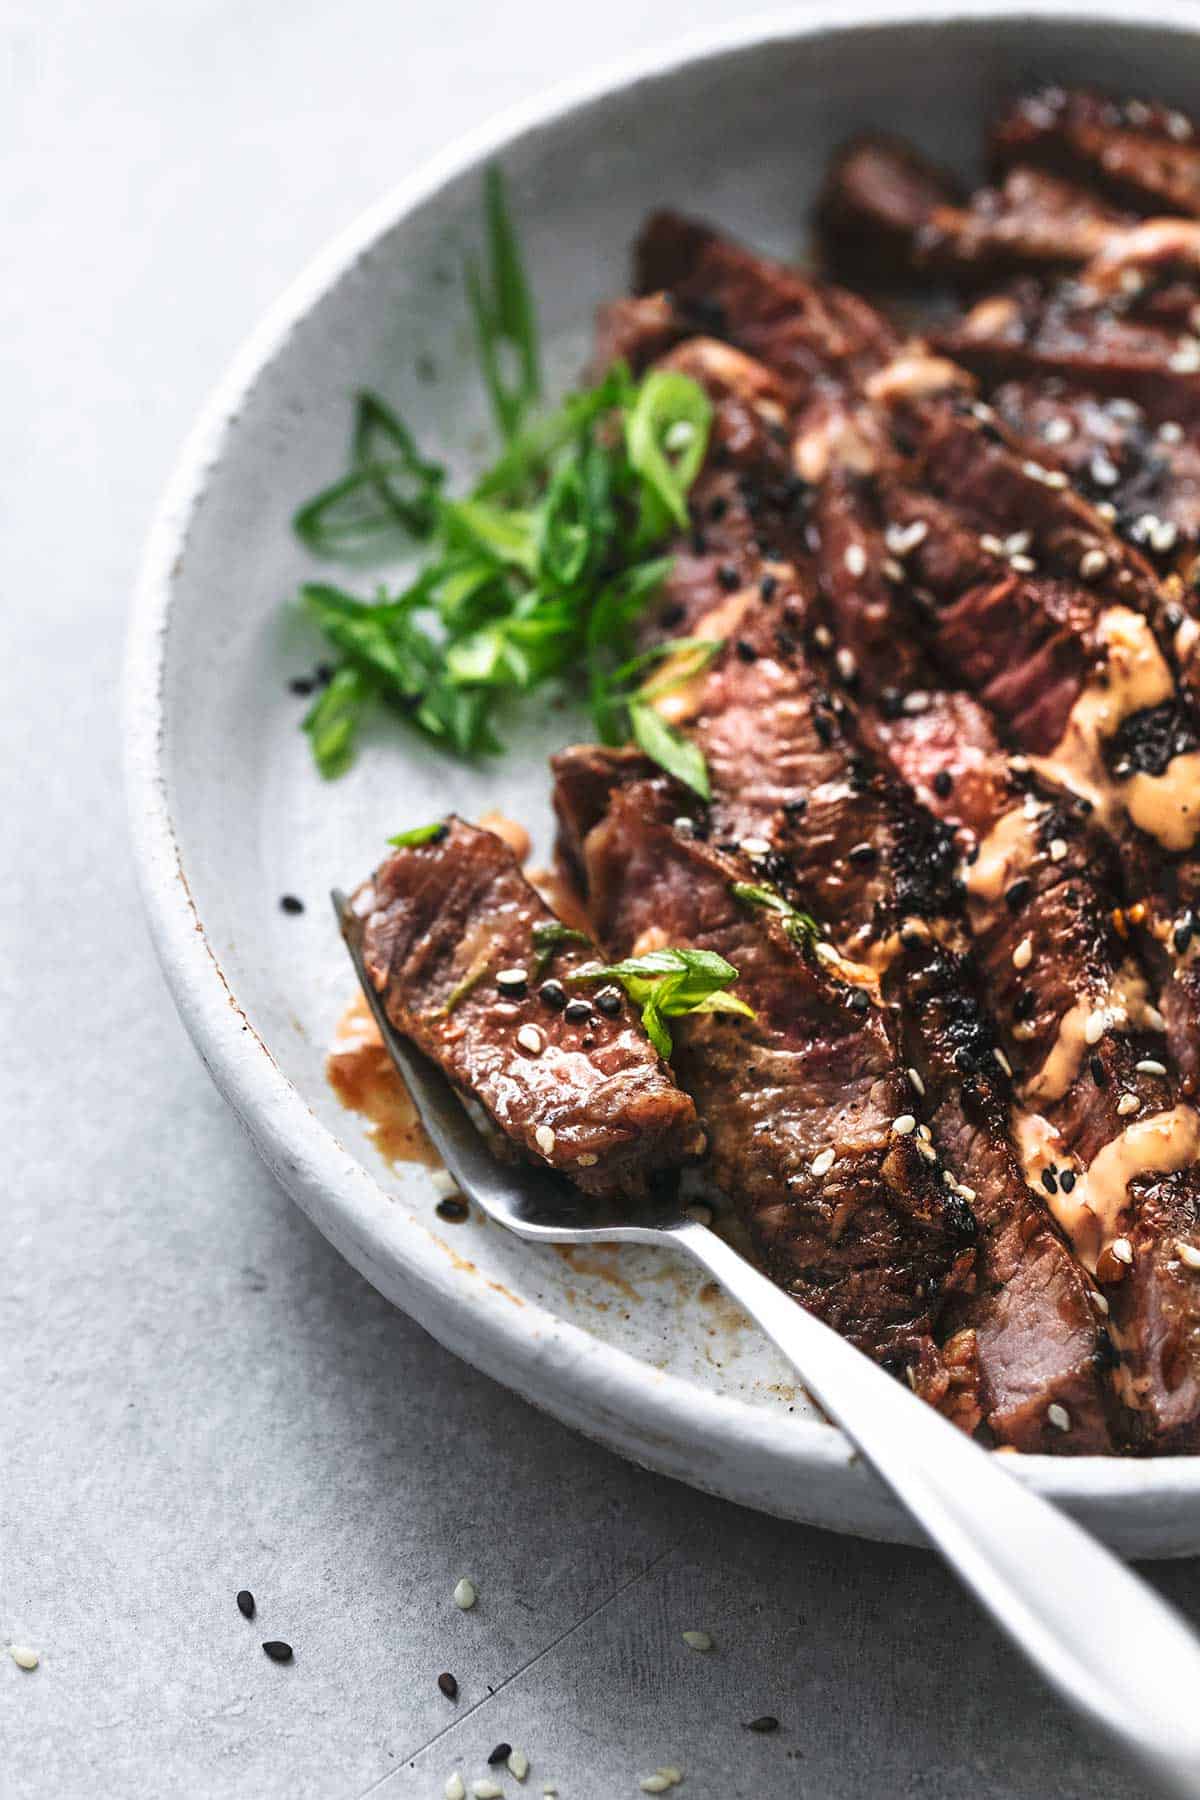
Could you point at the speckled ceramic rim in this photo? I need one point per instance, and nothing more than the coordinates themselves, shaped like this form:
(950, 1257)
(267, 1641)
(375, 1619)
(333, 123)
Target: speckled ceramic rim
(795, 1468)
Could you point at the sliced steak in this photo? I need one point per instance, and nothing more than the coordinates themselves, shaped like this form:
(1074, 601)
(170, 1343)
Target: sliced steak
(885, 210)
(447, 927)
(1143, 154)
(800, 1104)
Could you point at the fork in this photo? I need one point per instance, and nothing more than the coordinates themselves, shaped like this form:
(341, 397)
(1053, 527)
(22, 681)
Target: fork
(1104, 1640)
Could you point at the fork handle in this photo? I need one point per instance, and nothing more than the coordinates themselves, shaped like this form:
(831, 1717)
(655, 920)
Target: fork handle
(1110, 1646)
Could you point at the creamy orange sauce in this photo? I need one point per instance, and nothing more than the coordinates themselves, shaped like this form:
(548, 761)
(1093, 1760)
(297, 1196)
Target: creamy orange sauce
(1004, 854)
(1135, 676)
(509, 831)
(1126, 1006)
(1091, 1213)
(366, 1081)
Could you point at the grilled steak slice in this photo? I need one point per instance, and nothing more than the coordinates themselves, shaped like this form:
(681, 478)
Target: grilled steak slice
(800, 1105)
(885, 210)
(1145, 156)
(446, 927)
(798, 328)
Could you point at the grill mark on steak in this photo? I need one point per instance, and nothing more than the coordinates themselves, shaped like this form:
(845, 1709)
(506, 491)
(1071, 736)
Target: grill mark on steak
(439, 922)
(798, 1104)
(886, 211)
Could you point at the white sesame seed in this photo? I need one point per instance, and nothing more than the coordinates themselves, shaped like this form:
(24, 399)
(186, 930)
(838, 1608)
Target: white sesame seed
(531, 1039)
(1024, 565)
(512, 978)
(1103, 470)
(1017, 542)
(1099, 1302)
(1171, 432)
(1056, 431)
(543, 1137)
(1187, 1253)
(443, 1183)
(1058, 849)
(679, 434)
(23, 1656)
(823, 637)
(917, 702)
(948, 1179)
(964, 1192)
(549, 1788)
(855, 560)
(1095, 1026)
(1092, 564)
(1054, 478)
(1150, 1065)
(1058, 1416)
(1128, 1103)
(1107, 511)
(455, 1788)
(917, 1083)
(825, 952)
(464, 1594)
(1152, 1019)
(703, 1215)
(1178, 127)
(901, 539)
(1163, 537)
(1022, 956)
(672, 1773)
(1034, 470)
(518, 1764)
(587, 1159)
(1132, 281)
(847, 665)
(991, 543)
(892, 569)
(1019, 765)
(926, 1150)
(822, 1162)
(904, 1125)
(1003, 1061)
(925, 1134)
(756, 846)
(655, 1784)
(1122, 1249)
(487, 1789)
(1185, 360)
(1137, 112)
(698, 1640)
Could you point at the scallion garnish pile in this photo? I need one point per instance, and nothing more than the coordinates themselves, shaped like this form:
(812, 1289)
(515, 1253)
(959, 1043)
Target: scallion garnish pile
(538, 575)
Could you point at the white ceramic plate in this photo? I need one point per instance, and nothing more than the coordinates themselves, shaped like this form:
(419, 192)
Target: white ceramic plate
(227, 811)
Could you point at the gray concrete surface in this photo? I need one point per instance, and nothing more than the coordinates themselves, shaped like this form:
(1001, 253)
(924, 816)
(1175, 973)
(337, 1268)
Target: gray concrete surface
(197, 1394)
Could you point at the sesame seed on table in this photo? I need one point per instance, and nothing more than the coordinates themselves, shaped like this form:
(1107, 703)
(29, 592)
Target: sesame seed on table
(240, 1489)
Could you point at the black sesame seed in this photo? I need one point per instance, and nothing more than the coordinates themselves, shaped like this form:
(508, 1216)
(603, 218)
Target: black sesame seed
(766, 1723)
(448, 1685)
(767, 587)
(453, 1209)
(1181, 937)
(245, 1603)
(796, 809)
(1066, 1180)
(864, 854)
(300, 684)
(891, 703)
(964, 1062)
(500, 1754)
(943, 784)
(823, 726)
(746, 651)
(1098, 1073)
(671, 616)
(554, 995)
(718, 508)
(699, 543)
(1025, 1004)
(277, 1650)
(1049, 1181)
(577, 1011)
(608, 1000)
(1017, 893)
(728, 577)
(857, 1000)
(288, 903)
